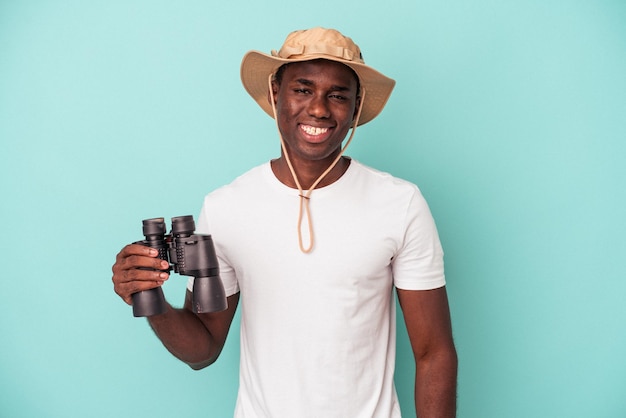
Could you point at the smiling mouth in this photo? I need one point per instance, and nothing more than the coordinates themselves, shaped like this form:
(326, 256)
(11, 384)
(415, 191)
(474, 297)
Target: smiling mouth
(312, 130)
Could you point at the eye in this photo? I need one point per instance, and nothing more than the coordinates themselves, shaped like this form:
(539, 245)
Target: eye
(338, 97)
(301, 90)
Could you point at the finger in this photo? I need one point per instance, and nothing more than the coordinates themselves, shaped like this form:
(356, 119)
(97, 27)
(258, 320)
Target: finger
(137, 249)
(143, 262)
(140, 275)
(131, 257)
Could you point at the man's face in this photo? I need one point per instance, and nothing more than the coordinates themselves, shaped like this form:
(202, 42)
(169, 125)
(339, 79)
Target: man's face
(315, 106)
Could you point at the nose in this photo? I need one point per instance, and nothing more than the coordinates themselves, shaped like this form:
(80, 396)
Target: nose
(318, 107)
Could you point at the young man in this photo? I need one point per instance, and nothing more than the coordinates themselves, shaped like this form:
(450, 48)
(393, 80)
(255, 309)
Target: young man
(313, 243)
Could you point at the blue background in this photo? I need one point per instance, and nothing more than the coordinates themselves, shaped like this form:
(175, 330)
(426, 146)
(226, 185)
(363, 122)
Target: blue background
(509, 115)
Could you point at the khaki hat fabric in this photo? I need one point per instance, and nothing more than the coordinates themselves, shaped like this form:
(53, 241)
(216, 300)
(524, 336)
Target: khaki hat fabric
(311, 44)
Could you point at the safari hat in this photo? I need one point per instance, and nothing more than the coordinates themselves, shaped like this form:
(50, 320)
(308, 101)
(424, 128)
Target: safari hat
(311, 44)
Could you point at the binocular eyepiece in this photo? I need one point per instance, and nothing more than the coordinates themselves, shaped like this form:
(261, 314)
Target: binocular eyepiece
(189, 254)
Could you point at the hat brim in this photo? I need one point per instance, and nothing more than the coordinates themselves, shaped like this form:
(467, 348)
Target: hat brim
(257, 66)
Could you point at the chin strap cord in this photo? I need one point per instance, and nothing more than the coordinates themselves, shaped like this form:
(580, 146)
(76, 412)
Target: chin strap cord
(305, 197)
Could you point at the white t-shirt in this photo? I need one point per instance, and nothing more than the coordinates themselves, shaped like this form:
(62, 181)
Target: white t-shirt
(318, 330)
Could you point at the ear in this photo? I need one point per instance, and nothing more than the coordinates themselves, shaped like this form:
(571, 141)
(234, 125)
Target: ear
(273, 92)
(357, 105)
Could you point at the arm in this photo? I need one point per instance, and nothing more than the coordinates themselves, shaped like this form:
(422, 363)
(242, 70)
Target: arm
(196, 339)
(427, 318)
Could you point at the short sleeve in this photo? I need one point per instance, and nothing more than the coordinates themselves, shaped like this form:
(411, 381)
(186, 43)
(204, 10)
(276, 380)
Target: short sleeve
(418, 264)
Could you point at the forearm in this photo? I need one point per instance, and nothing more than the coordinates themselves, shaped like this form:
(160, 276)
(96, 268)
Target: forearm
(185, 336)
(435, 384)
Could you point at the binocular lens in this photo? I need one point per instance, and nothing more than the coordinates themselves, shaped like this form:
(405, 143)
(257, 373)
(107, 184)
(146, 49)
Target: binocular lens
(183, 225)
(154, 226)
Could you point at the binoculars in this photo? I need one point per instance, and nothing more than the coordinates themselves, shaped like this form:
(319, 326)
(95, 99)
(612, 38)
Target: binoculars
(189, 254)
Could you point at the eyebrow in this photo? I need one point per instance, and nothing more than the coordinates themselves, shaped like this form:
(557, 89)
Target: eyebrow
(308, 82)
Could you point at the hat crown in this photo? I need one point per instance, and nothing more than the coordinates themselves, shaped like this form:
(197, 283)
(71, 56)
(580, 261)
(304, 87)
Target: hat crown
(318, 42)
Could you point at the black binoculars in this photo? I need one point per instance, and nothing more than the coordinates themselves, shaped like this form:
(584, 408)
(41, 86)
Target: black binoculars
(189, 254)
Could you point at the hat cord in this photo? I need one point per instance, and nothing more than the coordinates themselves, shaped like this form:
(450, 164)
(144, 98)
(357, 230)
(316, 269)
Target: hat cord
(306, 196)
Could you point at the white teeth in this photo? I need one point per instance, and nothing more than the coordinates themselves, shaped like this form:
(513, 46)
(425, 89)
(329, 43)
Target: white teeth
(311, 130)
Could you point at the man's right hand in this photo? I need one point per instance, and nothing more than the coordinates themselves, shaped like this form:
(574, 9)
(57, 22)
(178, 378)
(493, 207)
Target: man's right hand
(137, 268)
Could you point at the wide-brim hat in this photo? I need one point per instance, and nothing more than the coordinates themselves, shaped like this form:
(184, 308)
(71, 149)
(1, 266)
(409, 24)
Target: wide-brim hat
(311, 44)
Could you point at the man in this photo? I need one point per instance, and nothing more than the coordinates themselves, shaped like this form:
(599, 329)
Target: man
(313, 243)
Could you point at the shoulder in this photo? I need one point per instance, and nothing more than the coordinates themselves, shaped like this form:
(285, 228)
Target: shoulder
(229, 202)
(397, 200)
(249, 180)
(377, 176)
(234, 197)
(386, 185)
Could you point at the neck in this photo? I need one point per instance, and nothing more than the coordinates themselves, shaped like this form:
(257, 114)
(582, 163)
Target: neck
(308, 172)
